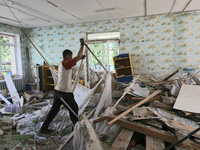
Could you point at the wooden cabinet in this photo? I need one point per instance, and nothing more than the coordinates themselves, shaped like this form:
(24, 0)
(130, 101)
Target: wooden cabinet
(123, 68)
(46, 80)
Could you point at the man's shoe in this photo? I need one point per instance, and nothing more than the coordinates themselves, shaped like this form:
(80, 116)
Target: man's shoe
(45, 131)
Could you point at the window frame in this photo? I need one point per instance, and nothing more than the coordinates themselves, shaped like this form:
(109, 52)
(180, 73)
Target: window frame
(17, 53)
(103, 51)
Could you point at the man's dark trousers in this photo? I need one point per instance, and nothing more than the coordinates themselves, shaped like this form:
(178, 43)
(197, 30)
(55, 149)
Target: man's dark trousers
(69, 99)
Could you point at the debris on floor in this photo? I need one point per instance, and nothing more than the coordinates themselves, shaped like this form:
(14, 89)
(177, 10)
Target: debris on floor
(148, 113)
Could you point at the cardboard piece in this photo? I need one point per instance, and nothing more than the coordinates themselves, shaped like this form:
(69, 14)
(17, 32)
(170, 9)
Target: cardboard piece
(188, 99)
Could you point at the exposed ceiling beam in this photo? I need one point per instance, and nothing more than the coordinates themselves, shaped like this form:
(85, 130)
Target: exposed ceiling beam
(187, 5)
(26, 13)
(7, 18)
(145, 8)
(172, 6)
(48, 1)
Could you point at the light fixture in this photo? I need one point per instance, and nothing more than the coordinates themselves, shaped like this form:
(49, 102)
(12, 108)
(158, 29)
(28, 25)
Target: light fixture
(106, 9)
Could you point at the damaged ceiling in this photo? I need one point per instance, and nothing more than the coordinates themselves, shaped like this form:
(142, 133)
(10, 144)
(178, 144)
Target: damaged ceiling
(41, 13)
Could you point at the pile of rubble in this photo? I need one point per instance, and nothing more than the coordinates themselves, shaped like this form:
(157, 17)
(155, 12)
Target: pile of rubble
(149, 113)
(155, 113)
(167, 115)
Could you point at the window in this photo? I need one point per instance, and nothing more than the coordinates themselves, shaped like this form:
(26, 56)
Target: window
(10, 58)
(105, 46)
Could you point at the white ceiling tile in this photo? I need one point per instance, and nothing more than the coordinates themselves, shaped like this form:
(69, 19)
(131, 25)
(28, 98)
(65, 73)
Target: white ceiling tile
(40, 13)
(78, 8)
(125, 9)
(194, 5)
(159, 6)
(43, 9)
(180, 5)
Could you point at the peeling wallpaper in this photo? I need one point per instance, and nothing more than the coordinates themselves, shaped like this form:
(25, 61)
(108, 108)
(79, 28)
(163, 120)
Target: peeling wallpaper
(158, 45)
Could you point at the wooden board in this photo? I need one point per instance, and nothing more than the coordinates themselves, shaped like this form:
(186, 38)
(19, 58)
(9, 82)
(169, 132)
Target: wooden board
(144, 129)
(188, 99)
(185, 127)
(99, 119)
(135, 106)
(181, 136)
(154, 143)
(160, 105)
(154, 123)
(158, 82)
(195, 77)
(130, 97)
(122, 140)
(172, 74)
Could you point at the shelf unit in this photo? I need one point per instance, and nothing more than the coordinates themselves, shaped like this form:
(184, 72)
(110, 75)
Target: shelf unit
(46, 81)
(123, 68)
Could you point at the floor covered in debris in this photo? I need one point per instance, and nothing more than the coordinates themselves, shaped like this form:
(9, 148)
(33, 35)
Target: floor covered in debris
(148, 113)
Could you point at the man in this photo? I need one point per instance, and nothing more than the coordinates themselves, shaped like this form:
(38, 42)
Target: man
(64, 88)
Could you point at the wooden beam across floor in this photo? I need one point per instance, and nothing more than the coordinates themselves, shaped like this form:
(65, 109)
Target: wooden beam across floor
(122, 140)
(135, 106)
(181, 136)
(154, 143)
(144, 129)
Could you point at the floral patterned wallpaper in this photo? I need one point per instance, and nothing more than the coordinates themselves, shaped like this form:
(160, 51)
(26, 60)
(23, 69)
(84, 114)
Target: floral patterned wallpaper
(23, 46)
(158, 45)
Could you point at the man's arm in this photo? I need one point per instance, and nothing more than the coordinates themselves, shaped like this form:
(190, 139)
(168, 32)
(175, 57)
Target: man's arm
(80, 53)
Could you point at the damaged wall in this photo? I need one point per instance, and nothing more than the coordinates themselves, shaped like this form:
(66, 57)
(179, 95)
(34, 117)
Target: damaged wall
(157, 44)
(23, 45)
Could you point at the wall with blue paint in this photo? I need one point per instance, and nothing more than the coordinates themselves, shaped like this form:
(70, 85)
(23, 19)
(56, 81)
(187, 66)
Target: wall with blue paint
(158, 45)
